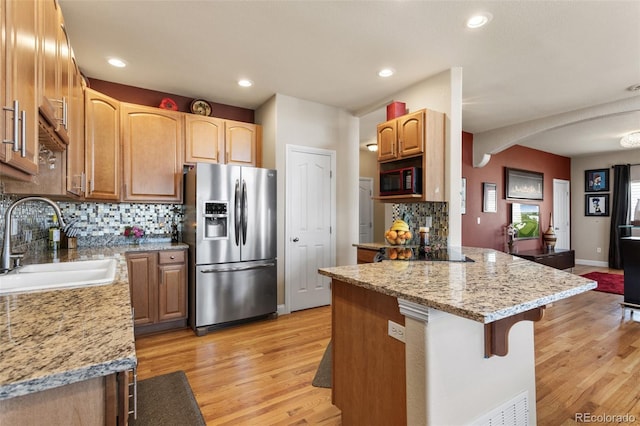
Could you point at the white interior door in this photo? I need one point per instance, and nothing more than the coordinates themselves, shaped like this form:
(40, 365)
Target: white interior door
(562, 213)
(366, 210)
(310, 216)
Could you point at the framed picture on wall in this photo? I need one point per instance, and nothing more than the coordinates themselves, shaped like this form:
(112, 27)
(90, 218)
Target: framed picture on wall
(596, 205)
(489, 197)
(523, 184)
(596, 180)
(526, 219)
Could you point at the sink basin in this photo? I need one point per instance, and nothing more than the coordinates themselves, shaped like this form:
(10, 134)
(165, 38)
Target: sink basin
(50, 276)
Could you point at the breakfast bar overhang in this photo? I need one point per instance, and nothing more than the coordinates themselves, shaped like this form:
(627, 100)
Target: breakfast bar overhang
(468, 351)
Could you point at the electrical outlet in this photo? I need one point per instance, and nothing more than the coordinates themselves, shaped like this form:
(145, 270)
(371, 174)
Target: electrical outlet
(598, 250)
(396, 331)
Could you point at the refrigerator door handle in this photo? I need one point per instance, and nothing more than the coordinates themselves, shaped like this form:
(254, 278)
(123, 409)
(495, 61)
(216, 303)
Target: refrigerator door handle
(245, 213)
(237, 268)
(238, 218)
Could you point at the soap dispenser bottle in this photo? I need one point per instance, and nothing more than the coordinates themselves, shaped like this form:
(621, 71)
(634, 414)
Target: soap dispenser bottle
(54, 234)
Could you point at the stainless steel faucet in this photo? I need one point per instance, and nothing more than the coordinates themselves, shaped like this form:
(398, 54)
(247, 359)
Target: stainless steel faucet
(6, 248)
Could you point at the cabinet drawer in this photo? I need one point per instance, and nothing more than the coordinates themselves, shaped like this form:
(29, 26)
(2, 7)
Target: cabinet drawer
(171, 256)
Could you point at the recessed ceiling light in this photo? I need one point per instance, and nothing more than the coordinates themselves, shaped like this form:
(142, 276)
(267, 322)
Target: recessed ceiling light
(632, 140)
(245, 83)
(386, 72)
(119, 63)
(479, 20)
(634, 88)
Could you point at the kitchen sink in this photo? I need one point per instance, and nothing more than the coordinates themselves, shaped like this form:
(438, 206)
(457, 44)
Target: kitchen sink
(53, 276)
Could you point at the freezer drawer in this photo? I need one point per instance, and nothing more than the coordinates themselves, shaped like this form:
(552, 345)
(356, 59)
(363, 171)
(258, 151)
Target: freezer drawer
(233, 292)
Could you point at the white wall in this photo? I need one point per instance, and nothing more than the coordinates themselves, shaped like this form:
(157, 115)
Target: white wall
(443, 93)
(292, 121)
(587, 232)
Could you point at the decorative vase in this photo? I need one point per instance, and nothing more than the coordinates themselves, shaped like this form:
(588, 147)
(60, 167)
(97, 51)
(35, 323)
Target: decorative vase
(636, 214)
(549, 237)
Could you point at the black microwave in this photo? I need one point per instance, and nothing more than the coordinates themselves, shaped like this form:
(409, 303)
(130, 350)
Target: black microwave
(405, 181)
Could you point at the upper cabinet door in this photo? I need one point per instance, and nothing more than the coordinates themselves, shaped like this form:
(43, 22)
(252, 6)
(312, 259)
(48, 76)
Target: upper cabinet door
(241, 143)
(55, 69)
(19, 19)
(75, 150)
(387, 137)
(152, 142)
(204, 139)
(102, 146)
(411, 134)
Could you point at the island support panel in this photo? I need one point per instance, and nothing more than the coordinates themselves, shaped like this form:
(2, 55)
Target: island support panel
(447, 368)
(368, 365)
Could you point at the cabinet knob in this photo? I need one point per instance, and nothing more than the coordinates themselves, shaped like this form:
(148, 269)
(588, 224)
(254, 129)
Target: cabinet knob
(172, 257)
(296, 239)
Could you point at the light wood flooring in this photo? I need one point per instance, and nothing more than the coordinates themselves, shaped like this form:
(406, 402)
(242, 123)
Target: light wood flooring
(587, 361)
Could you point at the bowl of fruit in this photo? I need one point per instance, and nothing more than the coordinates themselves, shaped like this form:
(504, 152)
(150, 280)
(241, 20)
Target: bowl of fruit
(398, 234)
(399, 253)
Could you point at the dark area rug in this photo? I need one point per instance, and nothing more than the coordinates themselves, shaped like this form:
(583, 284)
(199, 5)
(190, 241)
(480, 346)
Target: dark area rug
(167, 400)
(323, 375)
(607, 283)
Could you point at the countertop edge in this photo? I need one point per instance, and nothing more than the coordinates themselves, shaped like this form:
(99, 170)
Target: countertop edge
(68, 377)
(356, 275)
(128, 361)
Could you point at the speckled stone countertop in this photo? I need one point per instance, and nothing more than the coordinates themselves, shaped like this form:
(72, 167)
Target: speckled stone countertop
(371, 246)
(53, 338)
(495, 285)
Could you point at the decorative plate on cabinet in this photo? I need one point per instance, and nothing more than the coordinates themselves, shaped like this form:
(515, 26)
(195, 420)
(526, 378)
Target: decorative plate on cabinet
(200, 106)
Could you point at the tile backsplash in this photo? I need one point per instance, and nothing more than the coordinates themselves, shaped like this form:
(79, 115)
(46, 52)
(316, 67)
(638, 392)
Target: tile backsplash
(415, 215)
(97, 224)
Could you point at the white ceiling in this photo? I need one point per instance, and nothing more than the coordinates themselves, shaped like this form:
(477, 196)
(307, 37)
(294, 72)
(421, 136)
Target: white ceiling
(534, 59)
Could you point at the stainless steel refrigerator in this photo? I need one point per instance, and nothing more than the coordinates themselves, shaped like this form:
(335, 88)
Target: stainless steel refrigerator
(230, 227)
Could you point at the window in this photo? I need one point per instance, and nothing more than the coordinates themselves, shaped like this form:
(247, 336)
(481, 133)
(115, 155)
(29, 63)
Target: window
(635, 196)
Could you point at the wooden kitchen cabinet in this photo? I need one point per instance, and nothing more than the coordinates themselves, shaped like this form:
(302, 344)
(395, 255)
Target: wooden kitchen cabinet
(401, 137)
(214, 140)
(102, 146)
(367, 255)
(204, 139)
(172, 285)
(55, 73)
(76, 149)
(241, 143)
(19, 81)
(96, 401)
(414, 140)
(158, 286)
(152, 144)
(142, 269)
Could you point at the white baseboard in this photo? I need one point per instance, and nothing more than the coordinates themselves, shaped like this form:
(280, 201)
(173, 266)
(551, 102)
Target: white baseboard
(592, 263)
(282, 310)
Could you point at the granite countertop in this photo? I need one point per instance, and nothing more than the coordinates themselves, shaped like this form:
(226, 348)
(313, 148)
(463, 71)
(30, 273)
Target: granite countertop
(371, 246)
(53, 338)
(495, 285)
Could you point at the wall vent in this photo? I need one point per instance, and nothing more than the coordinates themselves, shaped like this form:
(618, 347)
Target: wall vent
(512, 413)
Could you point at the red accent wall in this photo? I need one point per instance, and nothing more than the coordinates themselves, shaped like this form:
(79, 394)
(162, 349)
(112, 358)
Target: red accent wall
(137, 95)
(490, 232)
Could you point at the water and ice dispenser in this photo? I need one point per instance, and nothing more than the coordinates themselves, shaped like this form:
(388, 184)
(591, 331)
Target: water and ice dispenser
(216, 219)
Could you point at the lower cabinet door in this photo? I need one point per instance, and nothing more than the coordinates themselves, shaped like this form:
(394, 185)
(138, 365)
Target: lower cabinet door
(143, 280)
(172, 291)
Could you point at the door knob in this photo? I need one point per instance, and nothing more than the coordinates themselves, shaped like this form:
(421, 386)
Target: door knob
(296, 239)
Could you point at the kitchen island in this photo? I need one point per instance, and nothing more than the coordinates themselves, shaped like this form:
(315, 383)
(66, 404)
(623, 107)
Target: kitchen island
(61, 350)
(468, 349)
